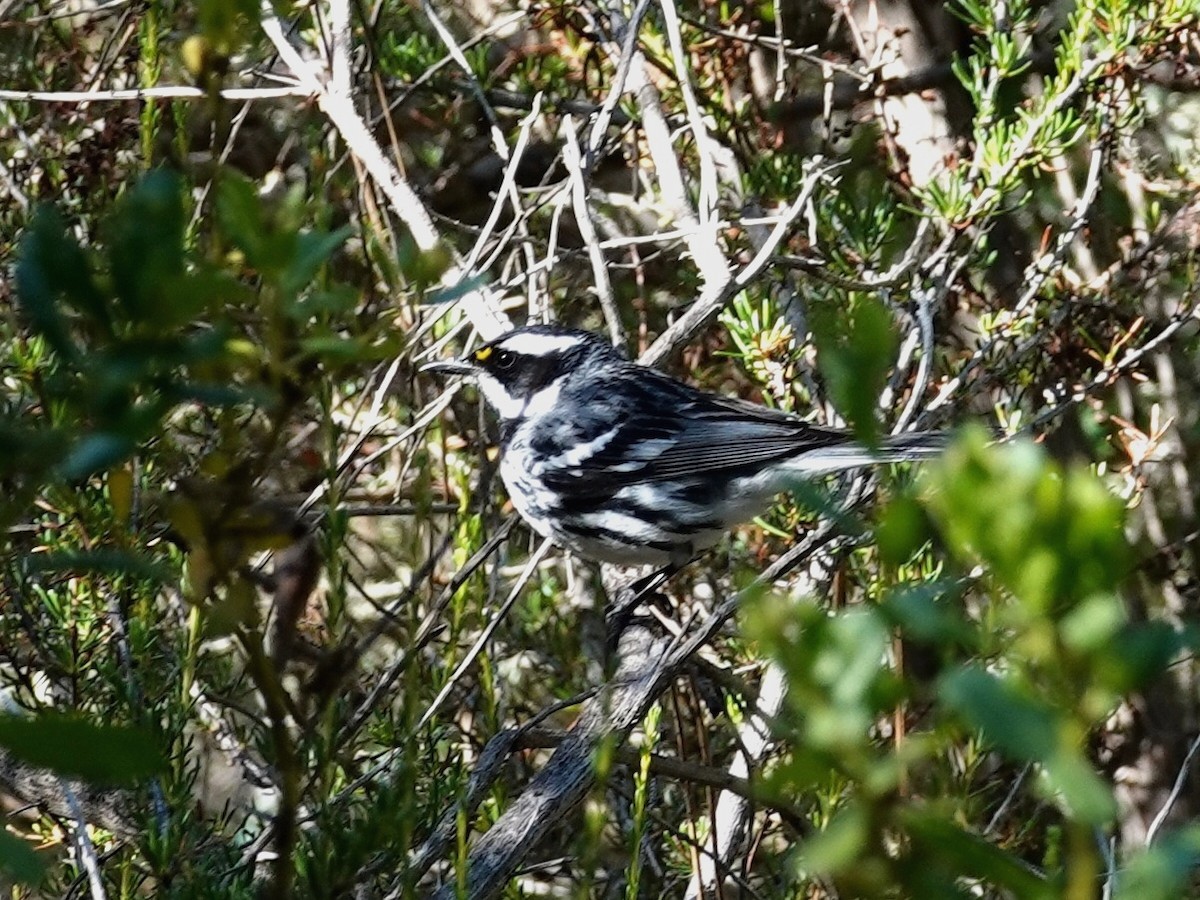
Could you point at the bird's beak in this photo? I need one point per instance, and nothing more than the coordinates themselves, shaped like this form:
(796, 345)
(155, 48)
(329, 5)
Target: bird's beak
(449, 367)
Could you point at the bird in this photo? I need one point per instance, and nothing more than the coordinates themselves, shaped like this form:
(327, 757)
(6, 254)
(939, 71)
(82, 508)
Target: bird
(621, 463)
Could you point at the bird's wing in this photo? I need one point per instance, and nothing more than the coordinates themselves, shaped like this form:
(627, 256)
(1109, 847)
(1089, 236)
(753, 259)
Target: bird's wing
(720, 433)
(669, 430)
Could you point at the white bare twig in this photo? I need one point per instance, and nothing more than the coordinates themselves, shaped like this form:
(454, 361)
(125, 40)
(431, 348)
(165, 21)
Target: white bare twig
(729, 817)
(707, 206)
(573, 159)
(163, 92)
(83, 844)
(1176, 789)
(716, 293)
(479, 305)
(339, 58)
(625, 56)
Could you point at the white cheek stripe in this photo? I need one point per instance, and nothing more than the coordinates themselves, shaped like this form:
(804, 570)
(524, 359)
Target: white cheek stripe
(509, 407)
(506, 406)
(534, 344)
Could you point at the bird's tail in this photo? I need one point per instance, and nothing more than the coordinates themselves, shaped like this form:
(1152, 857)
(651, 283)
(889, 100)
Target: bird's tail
(912, 446)
(908, 447)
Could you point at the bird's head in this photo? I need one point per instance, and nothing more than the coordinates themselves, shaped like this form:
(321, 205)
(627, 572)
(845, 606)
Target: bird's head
(522, 373)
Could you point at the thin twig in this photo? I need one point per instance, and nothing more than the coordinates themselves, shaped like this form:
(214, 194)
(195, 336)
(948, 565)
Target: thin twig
(483, 309)
(161, 92)
(573, 160)
(83, 844)
(490, 629)
(717, 293)
(729, 818)
(1181, 778)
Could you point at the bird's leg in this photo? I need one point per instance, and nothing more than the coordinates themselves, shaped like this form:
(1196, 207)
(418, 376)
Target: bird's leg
(629, 597)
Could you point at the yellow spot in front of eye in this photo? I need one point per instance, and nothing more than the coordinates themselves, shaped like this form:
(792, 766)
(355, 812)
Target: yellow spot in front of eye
(482, 354)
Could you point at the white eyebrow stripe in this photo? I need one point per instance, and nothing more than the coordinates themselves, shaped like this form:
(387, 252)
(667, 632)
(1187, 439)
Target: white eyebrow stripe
(534, 344)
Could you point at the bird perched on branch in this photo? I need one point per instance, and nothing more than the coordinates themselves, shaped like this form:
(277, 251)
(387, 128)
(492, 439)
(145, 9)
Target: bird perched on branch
(623, 464)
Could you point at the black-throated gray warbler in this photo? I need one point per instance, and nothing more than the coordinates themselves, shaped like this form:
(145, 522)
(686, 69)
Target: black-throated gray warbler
(621, 463)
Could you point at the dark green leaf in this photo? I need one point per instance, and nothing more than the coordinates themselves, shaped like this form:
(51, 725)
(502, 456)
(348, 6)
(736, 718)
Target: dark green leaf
(145, 247)
(108, 561)
(18, 860)
(1017, 723)
(924, 615)
(197, 292)
(95, 453)
(240, 215)
(332, 347)
(101, 754)
(856, 346)
(966, 854)
(52, 266)
(329, 302)
(1139, 654)
(312, 250)
(902, 530)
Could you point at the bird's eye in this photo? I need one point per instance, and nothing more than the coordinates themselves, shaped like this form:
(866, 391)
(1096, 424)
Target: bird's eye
(504, 359)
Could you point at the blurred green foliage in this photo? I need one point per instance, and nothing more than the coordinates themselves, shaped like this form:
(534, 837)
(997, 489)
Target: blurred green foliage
(1033, 649)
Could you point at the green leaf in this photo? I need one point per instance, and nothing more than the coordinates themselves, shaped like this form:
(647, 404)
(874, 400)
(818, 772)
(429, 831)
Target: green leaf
(1054, 538)
(922, 613)
(312, 250)
(856, 346)
(1164, 872)
(18, 860)
(240, 215)
(1019, 724)
(839, 845)
(902, 530)
(1093, 624)
(965, 854)
(100, 754)
(52, 266)
(145, 247)
(238, 608)
(1082, 792)
(1028, 729)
